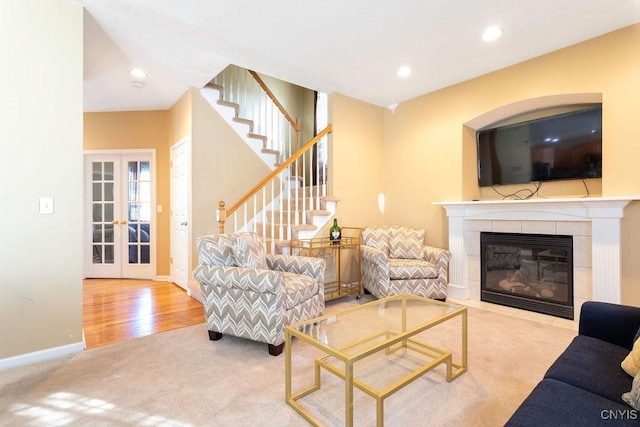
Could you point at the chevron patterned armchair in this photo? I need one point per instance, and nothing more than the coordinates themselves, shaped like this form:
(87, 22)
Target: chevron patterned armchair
(251, 294)
(396, 260)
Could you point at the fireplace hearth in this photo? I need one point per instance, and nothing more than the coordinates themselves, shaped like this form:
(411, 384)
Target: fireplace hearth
(528, 271)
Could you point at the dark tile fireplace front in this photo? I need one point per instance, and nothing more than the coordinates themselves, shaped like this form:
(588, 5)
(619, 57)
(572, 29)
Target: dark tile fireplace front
(528, 271)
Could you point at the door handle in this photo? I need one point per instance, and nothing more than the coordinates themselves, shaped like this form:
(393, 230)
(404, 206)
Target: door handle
(184, 224)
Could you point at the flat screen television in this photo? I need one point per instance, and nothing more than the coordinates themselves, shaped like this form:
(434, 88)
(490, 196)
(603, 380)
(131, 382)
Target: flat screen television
(557, 147)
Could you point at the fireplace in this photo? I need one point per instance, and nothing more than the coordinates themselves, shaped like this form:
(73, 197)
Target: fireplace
(528, 271)
(595, 223)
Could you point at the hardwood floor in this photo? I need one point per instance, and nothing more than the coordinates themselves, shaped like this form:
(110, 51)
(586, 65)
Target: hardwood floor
(118, 310)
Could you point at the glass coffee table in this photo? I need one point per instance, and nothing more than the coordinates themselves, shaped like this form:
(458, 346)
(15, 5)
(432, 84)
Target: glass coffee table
(379, 347)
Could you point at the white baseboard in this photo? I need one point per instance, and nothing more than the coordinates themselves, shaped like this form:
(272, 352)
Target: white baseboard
(163, 278)
(458, 292)
(41, 356)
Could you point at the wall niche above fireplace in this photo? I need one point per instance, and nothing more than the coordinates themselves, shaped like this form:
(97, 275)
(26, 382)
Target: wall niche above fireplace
(528, 271)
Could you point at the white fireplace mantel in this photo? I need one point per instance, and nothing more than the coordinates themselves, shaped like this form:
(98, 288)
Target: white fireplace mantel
(603, 214)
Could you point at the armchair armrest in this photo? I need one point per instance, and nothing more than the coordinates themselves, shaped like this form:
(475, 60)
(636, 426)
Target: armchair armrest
(309, 266)
(376, 260)
(440, 257)
(614, 323)
(246, 279)
(435, 255)
(374, 256)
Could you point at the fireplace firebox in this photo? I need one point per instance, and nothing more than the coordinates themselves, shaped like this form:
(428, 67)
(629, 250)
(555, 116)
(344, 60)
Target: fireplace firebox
(528, 271)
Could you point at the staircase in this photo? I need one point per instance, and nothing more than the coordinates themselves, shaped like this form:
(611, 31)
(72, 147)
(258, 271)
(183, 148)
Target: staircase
(244, 127)
(285, 205)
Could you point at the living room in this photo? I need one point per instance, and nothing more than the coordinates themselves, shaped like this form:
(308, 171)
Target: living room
(432, 136)
(419, 154)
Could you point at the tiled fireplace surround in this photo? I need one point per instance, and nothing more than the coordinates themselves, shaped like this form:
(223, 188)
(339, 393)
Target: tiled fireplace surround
(594, 223)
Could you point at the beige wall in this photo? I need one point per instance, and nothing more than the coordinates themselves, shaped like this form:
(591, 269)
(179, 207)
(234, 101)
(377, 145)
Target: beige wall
(356, 163)
(218, 154)
(41, 134)
(138, 130)
(179, 122)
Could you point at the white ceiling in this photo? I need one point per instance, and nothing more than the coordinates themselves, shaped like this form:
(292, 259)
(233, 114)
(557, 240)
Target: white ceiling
(353, 47)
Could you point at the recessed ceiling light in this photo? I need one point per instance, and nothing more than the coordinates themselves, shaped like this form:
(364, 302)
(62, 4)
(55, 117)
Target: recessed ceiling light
(492, 33)
(138, 73)
(404, 71)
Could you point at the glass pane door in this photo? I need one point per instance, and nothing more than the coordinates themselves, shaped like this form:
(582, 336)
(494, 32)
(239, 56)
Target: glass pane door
(139, 211)
(120, 216)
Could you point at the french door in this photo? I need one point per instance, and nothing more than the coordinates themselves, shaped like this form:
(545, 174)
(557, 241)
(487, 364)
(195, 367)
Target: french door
(120, 221)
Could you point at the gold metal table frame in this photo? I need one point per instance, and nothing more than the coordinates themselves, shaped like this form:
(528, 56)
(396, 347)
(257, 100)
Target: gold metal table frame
(387, 341)
(323, 247)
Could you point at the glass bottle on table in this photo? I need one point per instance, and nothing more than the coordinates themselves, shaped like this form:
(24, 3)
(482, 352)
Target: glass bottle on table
(335, 233)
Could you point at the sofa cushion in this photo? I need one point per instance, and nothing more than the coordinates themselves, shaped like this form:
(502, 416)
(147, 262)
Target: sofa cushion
(406, 243)
(632, 397)
(631, 363)
(216, 249)
(298, 289)
(249, 251)
(376, 237)
(411, 269)
(593, 365)
(554, 403)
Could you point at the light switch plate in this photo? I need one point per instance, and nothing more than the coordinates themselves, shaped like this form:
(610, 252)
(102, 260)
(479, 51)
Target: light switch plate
(46, 205)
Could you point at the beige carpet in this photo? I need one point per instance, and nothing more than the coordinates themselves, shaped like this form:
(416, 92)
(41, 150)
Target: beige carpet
(180, 378)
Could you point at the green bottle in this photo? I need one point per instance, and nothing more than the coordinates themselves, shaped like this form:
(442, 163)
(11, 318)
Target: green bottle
(335, 233)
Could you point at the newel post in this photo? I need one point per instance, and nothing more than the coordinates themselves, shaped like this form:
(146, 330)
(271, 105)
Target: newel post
(222, 216)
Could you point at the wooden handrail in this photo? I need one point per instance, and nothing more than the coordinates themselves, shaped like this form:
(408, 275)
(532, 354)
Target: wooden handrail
(223, 213)
(263, 85)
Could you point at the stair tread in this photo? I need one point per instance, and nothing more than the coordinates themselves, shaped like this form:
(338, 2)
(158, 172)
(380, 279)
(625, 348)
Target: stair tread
(245, 121)
(270, 151)
(215, 86)
(300, 227)
(228, 104)
(257, 136)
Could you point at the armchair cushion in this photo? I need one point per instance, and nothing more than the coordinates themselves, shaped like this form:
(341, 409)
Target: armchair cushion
(405, 242)
(249, 251)
(376, 237)
(411, 269)
(216, 249)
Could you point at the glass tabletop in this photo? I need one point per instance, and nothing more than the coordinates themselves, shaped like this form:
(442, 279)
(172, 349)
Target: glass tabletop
(359, 329)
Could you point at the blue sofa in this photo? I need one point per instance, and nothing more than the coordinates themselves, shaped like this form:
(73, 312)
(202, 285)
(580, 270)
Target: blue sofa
(584, 386)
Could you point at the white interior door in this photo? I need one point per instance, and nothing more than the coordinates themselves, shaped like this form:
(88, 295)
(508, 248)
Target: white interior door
(180, 213)
(119, 215)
